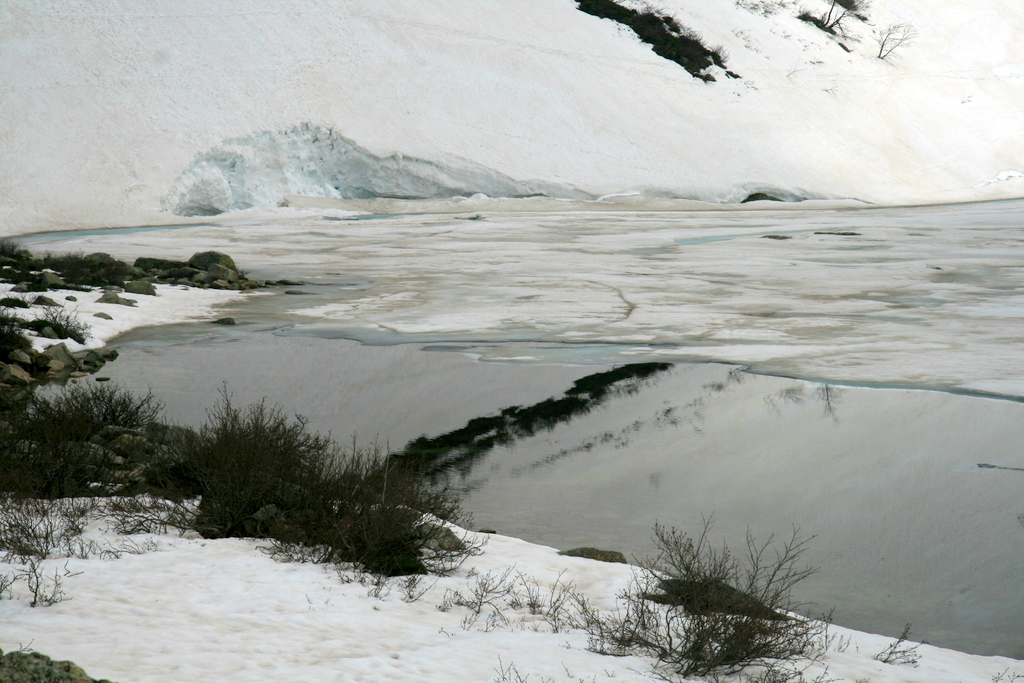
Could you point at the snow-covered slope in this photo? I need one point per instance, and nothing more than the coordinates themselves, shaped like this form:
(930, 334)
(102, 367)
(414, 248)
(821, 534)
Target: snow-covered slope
(112, 112)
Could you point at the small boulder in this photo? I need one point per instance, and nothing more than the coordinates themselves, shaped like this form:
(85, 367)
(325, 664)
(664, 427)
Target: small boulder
(203, 260)
(49, 333)
(52, 280)
(596, 554)
(60, 352)
(105, 316)
(14, 375)
(224, 321)
(219, 272)
(113, 298)
(71, 298)
(19, 356)
(32, 667)
(44, 301)
(140, 287)
(220, 284)
(100, 258)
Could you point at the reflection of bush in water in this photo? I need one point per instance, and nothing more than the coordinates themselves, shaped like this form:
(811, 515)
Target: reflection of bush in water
(462, 446)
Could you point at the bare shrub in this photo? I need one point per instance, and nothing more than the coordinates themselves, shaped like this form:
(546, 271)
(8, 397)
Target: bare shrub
(45, 449)
(10, 248)
(900, 651)
(35, 528)
(893, 37)
(260, 473)
(701, 610)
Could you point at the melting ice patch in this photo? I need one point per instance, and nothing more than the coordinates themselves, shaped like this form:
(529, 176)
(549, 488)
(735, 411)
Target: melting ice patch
(261, 169)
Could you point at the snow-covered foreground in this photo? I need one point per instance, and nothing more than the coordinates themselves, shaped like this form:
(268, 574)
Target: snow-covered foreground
(923, 297)
(190, 609)
(116, 114)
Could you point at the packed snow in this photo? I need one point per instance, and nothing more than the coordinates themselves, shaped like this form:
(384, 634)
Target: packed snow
(111, 110)
(188, 609)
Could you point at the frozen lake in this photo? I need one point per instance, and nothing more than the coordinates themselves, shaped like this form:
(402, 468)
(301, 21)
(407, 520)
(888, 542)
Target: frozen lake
(910, 321)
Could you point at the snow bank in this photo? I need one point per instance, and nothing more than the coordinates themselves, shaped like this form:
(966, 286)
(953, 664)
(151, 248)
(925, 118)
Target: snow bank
(108, 105)
(313, 161)
(220, 610)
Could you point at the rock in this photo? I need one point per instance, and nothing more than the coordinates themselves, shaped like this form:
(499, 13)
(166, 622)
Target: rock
(437, 537)
(105, 316)
(60, 352)
(140, 287)
(44, 301)
(224, 321)
(296, 292)
(711, 596)
(144, 263)
(113, 298)
(19, 356)
(102, 379)
(777, 237)
(220, 284)
(100, 258)
(51, 280)
(32, 667)
(596, 554)
(71, 298)
(92, 362)
(15, 375)
(55, 366)
(49, 333)
(108, 354)
(129, 444)
(760, 197)
(488, 531)
(21, 287)
(203, 260)
(219, 272)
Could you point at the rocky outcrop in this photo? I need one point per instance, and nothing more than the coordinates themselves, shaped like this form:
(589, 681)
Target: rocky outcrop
(33, 667)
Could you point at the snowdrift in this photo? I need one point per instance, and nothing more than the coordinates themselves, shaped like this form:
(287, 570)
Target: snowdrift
(115, 114)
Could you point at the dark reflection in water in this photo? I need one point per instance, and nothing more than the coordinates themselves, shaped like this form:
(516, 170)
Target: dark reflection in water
(908, 527)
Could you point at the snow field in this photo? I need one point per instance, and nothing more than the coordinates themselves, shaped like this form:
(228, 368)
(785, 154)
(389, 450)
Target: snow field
(219, 610)
(107, 106)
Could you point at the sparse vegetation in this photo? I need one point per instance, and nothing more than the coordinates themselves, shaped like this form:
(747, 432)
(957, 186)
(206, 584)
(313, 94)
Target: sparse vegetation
(664, 34)
(258, 472)
(699, 610)
(62, 322)
(900, 651)
(836, 20)
(893, 37)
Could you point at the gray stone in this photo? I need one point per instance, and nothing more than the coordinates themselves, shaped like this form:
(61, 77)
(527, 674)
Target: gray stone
(224, 321)
(113, 298)
(21, 287)
(219, 272)
(100, 257)
(105, 316)
(15, 375)
(437, 537)
(55, 366)
(32, 667)
(60, 352)
(220, 284)
(140, 287)
(49, 333)
(44, 301)
(71, 298)
(19, 356)
(203, 260)
(596, 554)
(51, 279)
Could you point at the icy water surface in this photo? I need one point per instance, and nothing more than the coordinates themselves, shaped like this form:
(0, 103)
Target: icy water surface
(909, 527)
(923, 296)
